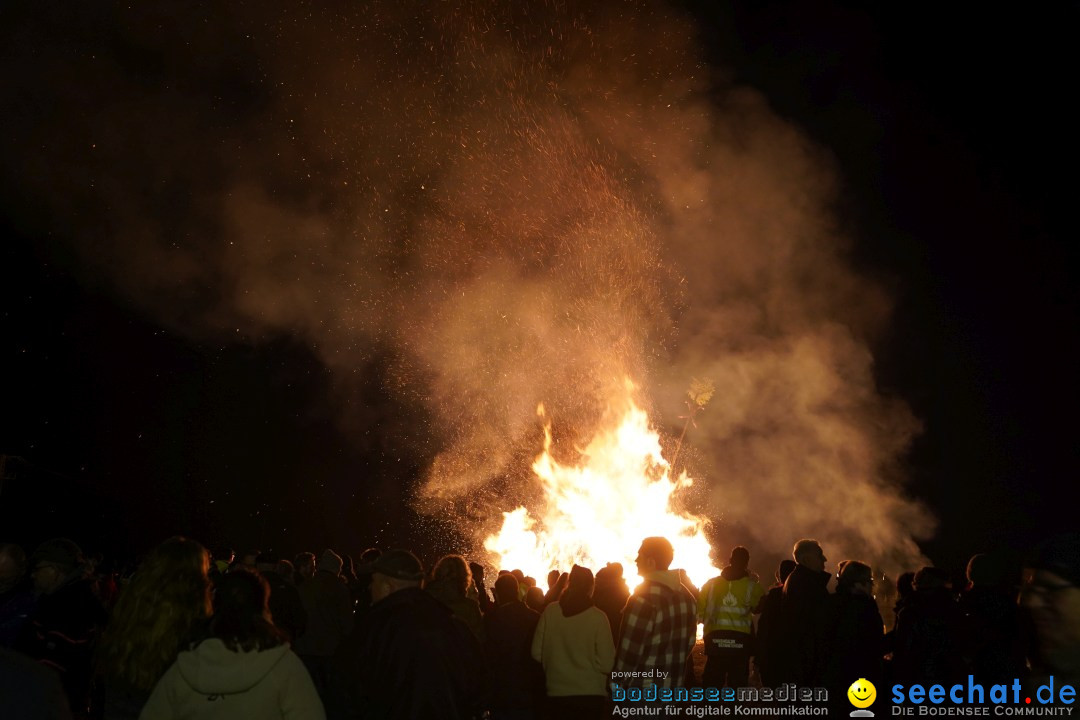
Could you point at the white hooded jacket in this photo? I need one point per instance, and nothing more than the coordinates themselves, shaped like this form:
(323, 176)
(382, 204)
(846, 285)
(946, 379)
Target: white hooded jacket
(214, 682)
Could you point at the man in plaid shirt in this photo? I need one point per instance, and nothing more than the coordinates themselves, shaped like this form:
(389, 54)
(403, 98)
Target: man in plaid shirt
(659, 624)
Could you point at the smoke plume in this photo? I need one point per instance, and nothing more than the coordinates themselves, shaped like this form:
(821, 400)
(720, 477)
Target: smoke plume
(519, 202)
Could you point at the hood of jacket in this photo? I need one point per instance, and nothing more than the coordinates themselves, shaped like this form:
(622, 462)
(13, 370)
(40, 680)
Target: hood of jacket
(574, 603)
(732, 573)
(213, 669)
(668, 578)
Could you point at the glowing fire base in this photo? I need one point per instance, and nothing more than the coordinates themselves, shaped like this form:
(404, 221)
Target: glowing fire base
(599, 511)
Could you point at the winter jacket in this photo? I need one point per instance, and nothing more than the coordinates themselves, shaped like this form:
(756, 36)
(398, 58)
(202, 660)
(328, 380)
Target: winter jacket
(212, 682)
(577, 651)
(464, 608)
(804, 609)
(411, 658)
(659, 629)
(517, 681)
(328, 605)
(61, 632)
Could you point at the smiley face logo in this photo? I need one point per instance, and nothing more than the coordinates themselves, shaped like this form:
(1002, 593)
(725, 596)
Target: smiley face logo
(862, 693)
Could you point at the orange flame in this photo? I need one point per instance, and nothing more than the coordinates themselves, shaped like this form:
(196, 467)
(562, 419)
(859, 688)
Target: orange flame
(600, 510)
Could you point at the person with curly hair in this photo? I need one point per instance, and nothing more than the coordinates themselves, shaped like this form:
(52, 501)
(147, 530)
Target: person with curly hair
(244, 668)
(450, 583)
(162, 610)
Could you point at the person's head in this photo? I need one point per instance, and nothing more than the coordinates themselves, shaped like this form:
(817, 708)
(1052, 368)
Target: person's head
(581, 581)
(553, 577)
(905, 584)
(740, 558)
(242, 613)
(610, 574)
(224, 557)
(930, 578)
(654, 554)
(330, 562)
(985, 570)
(784, 569)
(477, 571)
(164, 604)
(506, 589)
(12, 565)
(808, 553)
(305, 564)
(392, 571)
(534, 598)
(1051, 595)
(53, 563)
(453, 572)
(285, 569)
(855, 577)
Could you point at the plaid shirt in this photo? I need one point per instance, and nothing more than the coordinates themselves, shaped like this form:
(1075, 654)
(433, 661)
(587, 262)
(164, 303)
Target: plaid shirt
(659, 629)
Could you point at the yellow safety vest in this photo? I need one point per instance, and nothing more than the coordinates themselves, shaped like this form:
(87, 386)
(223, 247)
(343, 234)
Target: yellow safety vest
(727, 605)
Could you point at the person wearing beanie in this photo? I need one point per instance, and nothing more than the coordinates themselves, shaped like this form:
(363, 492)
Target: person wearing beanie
(725, 606)
(330, 562)
(611, 594)
(329, 609)
(409, 656)
(573, 643)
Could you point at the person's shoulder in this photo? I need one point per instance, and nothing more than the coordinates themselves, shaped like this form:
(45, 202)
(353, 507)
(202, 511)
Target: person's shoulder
(550, 610)
(522, 610)
(643, 598)
(710, 584)
(686, 597)
(289, 659)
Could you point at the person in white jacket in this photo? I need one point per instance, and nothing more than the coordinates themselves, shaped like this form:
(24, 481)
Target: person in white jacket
(244, 669)
(573, 643)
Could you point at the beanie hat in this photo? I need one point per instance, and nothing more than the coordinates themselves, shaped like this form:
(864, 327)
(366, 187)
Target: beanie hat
(398, 564)
(1061, 556)
(330, 562)
(581, 578)
(61, 552)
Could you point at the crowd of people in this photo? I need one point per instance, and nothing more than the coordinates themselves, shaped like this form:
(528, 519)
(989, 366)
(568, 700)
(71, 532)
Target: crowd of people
(188, 635)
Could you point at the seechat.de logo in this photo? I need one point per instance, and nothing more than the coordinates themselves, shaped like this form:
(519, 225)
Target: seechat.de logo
(973, 698)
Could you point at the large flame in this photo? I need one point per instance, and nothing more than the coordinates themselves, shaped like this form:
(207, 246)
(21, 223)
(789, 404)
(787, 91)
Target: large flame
(600, 510)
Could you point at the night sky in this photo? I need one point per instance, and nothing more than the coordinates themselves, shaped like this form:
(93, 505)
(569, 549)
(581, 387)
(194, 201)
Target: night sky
(953, 134)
